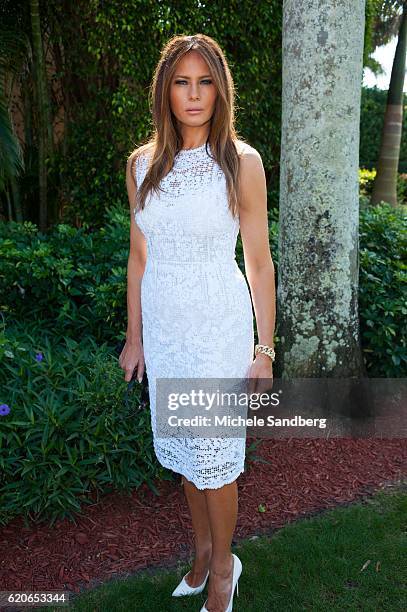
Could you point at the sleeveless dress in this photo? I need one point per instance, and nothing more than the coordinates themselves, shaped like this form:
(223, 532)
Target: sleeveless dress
(197, 316)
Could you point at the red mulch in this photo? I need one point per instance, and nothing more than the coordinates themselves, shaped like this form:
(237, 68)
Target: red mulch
(120, 534)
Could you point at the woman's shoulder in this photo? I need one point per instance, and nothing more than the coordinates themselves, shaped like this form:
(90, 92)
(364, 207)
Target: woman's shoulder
(250, 158)
(244, 149)
(141, 152)
(137, 160)
(250, 165)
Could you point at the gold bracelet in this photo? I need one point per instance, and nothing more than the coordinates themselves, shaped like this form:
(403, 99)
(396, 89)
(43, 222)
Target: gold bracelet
(266, 350)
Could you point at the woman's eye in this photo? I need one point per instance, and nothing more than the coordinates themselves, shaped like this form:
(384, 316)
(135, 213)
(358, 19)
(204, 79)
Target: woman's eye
(180, 82)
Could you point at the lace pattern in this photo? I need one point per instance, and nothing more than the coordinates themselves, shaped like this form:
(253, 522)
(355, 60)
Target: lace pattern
(196, 307)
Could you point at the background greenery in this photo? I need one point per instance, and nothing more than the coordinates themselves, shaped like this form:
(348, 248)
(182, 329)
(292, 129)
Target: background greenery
(100, 59)
(103, 80)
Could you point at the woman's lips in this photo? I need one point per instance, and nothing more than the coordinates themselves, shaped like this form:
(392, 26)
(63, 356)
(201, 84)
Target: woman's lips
(194, 111)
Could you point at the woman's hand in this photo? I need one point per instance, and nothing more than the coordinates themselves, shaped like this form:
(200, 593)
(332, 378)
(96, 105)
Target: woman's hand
(261, 368)
(132, 357)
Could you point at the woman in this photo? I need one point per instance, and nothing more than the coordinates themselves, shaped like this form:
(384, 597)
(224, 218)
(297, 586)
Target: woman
(189, 307)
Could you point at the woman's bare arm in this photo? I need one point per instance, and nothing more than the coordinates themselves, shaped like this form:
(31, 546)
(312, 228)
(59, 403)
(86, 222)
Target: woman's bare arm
(254, 231)
(132, 354)
(135, 265)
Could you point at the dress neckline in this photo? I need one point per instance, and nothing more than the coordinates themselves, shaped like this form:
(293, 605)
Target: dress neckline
(194, 150)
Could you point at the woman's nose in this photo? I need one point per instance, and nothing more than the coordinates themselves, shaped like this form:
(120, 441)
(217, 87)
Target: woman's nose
(194, 91)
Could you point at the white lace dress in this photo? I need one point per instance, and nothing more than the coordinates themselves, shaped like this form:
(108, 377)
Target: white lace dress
(197, 316)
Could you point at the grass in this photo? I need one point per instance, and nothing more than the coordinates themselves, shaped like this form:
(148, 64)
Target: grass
(314, 564)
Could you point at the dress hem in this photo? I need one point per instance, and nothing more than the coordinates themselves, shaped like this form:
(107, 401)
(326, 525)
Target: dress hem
(201, 487)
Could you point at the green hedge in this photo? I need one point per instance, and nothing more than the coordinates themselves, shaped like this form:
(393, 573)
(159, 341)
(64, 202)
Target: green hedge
(74, 281)
(67, 432)
(71, 279)
(383, 289)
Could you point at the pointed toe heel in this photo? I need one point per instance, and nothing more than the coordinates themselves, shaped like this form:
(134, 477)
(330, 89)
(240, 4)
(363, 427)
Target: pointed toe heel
(237, 570)
(184, 589)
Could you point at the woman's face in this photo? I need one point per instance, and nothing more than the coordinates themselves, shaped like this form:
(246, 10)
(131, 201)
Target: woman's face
(192, 87)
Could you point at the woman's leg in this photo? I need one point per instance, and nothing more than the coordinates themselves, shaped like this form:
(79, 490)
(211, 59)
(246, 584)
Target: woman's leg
(222, 510)
(203, 542)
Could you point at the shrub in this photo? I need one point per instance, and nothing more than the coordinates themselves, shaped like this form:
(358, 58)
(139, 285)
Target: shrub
(67, 432)
(382, 289)
(72, 279)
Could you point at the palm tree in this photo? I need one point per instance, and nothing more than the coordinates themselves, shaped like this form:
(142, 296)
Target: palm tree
(385, 184)
(319, 208)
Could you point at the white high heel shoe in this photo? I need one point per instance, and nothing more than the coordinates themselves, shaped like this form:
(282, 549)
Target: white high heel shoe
(237, 570)
(184, 589)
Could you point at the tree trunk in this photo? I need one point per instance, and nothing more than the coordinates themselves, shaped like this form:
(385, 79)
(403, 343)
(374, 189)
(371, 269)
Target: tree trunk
(42, 110)
(385, 184)
(319, 191)
(16, 191)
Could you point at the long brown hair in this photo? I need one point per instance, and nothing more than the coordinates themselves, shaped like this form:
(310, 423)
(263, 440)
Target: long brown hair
(166, 139)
